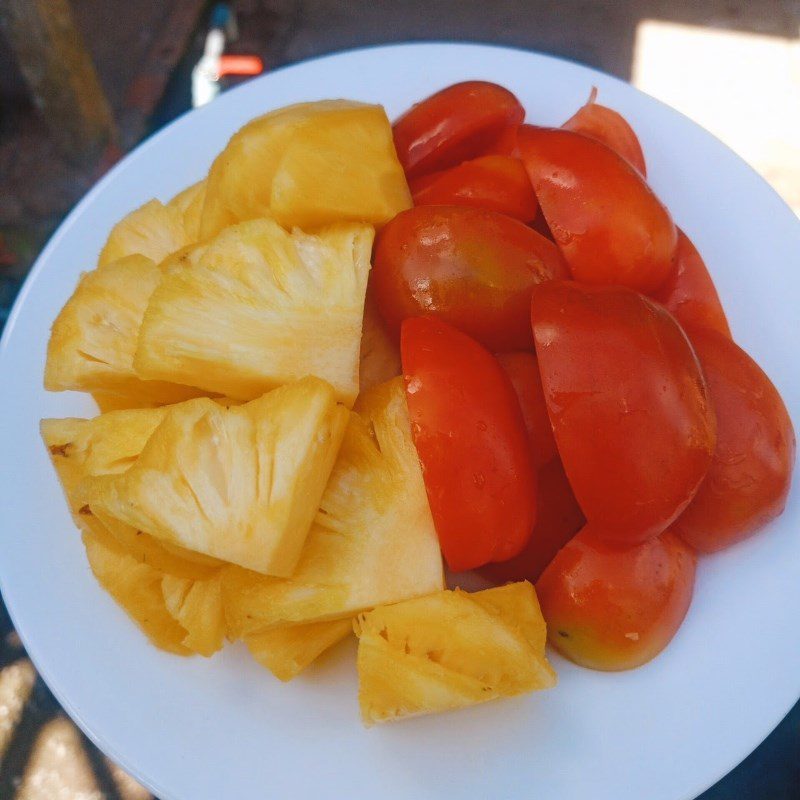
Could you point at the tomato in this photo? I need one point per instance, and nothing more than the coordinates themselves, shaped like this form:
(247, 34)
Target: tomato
(689, 293)
(523, 371)
(475, 269)
(496, 183)
(612, 609)
(455, 124)
(630, 409)
(470, 436)
(609, 127)
(748, 480)
(609, 225)
(558, 519)
(506, 143)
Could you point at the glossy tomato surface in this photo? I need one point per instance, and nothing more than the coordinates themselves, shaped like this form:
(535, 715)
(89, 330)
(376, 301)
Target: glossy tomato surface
(630, 408)
(609, 224)
(558, 519)
(523, 372)
(456, 123)
(612, 609)
(689, 293)
(496, 183)
(609, 127)
(471, 440)
(474, 269)
(748, 481)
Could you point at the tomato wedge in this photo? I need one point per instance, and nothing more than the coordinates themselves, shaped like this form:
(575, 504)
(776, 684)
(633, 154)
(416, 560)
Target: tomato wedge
(689, 292)
(455, 124)
(470, 436)
(474, 269)
(609, 127)
(609, 225)
(628, 402)
(749, 478)
(496, 183)
(612, 609)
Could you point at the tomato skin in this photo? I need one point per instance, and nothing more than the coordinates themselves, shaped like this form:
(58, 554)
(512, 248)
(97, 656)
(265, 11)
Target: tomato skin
(495, 183)
(474, 269)
(749, 478)
(609, 127)
(628, 402)
(614, 609)
(523, 371)
(453, 125)
(689, 293)
(609, 225)
(470, 436)
(558, 519)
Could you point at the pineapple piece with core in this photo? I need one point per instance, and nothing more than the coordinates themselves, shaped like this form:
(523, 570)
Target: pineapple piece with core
(450, 650)
(260, 308)
(93, 339)
(373, 540)
(189, 203)
(287, 650)
(152, 230)
(196, 605)
(240, 484)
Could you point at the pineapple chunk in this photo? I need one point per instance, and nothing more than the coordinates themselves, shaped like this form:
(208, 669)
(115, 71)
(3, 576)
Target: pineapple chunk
(93, 339)
(373, 540)
(380, 355)
(309, 165)
(189, 203)
(450, 650)
(152, 230)
(259, 309)
(287, 650)
(196, 605)
(137, 588)
(239, 484)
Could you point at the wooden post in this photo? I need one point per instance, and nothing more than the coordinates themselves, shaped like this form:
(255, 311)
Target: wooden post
(60, 74)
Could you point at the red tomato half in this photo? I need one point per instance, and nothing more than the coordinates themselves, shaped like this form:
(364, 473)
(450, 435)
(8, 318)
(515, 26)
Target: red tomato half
(471, 440)
(609, 225)
(558, 519)
(455, 124)
(613, 609)
(689, 293)
(474, 269)
(523, 372)
(609, 127)
(628, 402)
(748, 480)
(496, 183)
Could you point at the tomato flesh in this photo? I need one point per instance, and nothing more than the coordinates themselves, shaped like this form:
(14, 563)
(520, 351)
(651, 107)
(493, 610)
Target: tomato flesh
(474, 269)
(609, 225)
(748, 481)
(496, 183)
(629, 406)
(453, 125)
(614, 609)
(470, 436)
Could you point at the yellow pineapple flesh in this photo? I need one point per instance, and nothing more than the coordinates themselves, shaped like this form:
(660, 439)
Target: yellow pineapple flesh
(372, 541)
(379, 360)
(240, 484)
(152, 230)
(196, 605)
(93, 339)
(190, 203)
(286, 650)
(450, 650)
(260, 308)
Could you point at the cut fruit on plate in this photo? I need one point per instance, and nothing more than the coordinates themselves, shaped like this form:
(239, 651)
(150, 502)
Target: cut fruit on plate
(287, 650)
(189, 203)
(197, 607)
(380, 354)
(260, 308)
(373, 540)
(450, 650)
(308, 165)
(93, 339)
(239, 484)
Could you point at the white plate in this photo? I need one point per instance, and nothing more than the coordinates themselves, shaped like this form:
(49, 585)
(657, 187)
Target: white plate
(224, 728)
